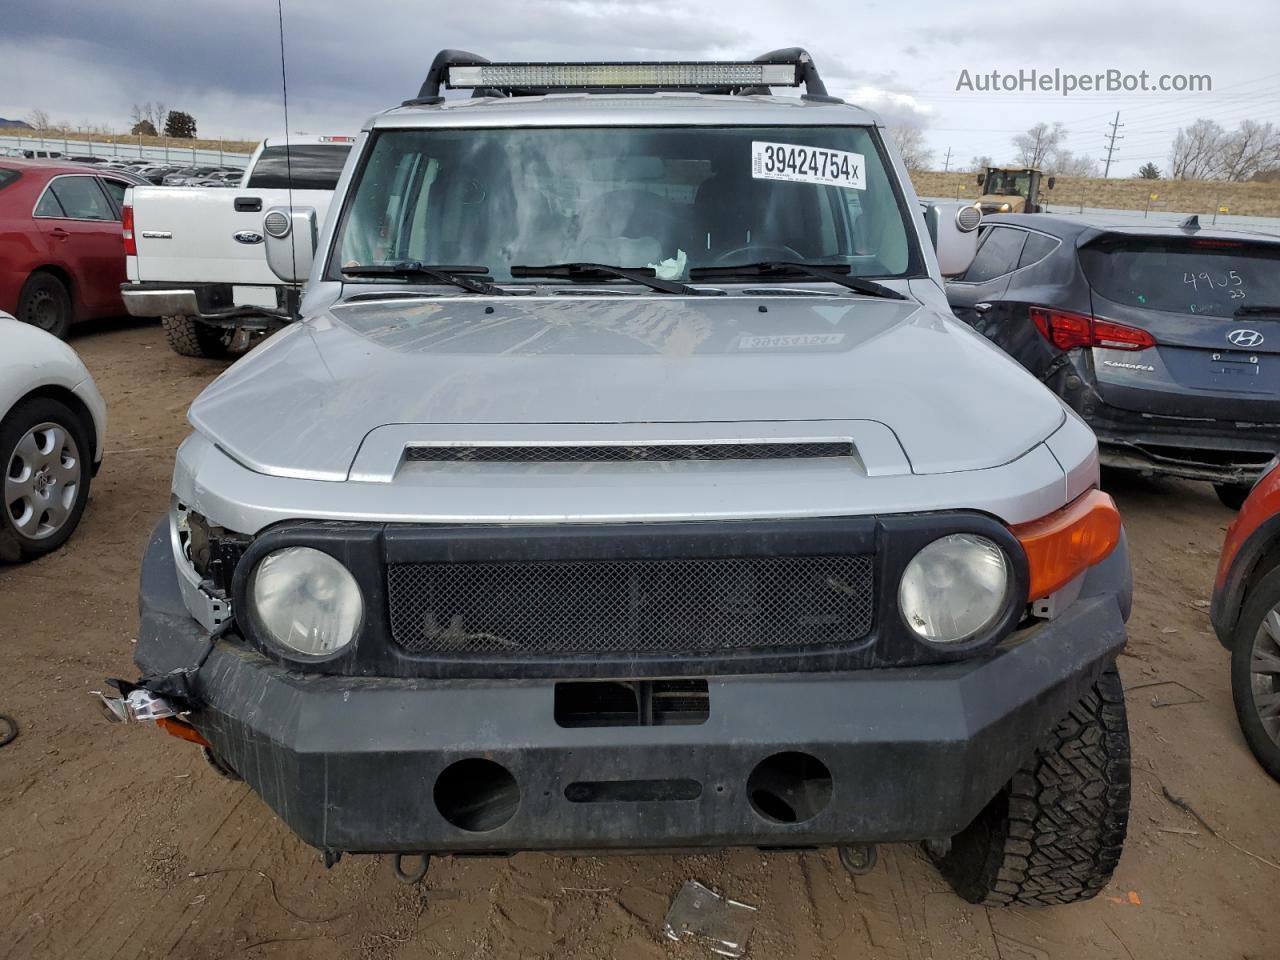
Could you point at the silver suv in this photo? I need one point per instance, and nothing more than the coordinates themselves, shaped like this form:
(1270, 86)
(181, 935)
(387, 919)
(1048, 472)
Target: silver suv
(630, 485)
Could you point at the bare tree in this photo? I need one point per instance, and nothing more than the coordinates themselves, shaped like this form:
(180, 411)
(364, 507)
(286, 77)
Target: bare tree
(38, 119)
(1039, 143)
(152, 112)
(910, 142)
(1064, 163)
(1250, 148)
(1194, 155)
(980, 164)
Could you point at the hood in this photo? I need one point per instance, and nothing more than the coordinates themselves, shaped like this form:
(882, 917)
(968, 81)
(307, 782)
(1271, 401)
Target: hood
(302, 403)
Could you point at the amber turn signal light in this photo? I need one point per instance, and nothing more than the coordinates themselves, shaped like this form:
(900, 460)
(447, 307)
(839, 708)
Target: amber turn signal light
(182, 730)
(1062, 545)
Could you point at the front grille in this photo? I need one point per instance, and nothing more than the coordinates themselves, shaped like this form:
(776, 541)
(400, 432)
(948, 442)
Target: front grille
(569, 453)
(631, 606)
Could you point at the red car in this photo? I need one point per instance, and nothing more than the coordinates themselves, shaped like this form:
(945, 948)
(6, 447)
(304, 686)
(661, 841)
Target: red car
(1246, 616)
(61, 256)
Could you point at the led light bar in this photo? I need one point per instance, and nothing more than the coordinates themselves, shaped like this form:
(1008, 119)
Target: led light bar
(632, 75)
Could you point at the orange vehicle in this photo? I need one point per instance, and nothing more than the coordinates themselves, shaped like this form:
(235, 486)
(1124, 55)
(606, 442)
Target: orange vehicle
(1246, 616)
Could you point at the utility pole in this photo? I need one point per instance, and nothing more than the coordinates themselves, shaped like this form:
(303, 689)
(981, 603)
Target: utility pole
(946, 163)
(1112, 137)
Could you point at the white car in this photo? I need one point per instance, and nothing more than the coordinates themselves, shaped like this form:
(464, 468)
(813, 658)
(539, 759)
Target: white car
(53, 424)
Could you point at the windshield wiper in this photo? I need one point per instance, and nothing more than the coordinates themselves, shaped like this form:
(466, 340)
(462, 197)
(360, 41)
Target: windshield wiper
(455, 275)
(1258, 310)
(783, 269)
(589, 272)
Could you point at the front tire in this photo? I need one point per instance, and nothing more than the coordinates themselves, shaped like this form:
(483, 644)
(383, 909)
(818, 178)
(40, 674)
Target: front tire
(45, 302)
(1232, 495)
(1255, 672)
(1055, 833)
(191, 338)
(45, 456)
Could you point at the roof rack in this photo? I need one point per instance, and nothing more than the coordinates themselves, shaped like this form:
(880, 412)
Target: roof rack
(460, 70)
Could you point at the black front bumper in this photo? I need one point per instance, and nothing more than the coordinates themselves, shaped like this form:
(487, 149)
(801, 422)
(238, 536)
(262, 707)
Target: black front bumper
(355, 763)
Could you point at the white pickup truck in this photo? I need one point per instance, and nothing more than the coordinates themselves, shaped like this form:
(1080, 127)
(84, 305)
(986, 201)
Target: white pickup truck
(194, 255)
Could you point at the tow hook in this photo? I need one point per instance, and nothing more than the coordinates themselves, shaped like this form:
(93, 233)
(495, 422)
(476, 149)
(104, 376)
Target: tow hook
(858, 858)
(419, 863)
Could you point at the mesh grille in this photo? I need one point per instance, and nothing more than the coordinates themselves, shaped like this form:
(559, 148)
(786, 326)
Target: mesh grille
(664, 606)
(628, 454)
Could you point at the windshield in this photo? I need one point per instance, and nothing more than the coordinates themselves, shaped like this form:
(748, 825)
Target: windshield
(1005, 183)
(671, 198)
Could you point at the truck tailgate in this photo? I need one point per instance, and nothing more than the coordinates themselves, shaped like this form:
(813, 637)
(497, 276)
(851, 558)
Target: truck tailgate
(196, 234)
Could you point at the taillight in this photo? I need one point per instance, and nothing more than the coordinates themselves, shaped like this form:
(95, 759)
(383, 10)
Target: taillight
(126, 231)
(1066, 330)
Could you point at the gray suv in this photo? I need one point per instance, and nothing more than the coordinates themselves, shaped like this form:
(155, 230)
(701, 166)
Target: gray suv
(630, 485)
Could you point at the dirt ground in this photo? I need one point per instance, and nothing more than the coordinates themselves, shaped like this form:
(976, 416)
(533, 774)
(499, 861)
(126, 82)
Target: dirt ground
(120, 842)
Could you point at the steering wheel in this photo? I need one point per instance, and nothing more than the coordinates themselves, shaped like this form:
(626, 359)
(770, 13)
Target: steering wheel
(757, 249)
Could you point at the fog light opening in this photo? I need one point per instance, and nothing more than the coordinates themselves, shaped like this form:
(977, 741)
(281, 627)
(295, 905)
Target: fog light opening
(789, 787)
(476, 795)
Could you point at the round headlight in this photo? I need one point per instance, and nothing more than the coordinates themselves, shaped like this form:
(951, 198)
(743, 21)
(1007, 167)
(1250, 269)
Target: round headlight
(954, 588)
(306, 601)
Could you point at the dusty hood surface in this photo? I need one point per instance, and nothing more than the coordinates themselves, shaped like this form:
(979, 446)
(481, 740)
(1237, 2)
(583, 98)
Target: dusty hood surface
(302, 403)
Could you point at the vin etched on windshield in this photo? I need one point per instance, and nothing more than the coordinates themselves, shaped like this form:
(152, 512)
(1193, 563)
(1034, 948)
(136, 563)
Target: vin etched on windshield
(667, 198)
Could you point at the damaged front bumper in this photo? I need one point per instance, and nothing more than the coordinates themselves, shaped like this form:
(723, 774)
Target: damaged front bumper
(380, 765)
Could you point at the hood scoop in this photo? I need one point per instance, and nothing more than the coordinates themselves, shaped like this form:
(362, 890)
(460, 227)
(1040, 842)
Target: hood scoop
(859, 447)
(627, 453)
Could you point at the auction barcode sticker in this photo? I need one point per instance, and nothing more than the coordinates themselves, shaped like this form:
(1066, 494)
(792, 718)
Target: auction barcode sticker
(786, 161)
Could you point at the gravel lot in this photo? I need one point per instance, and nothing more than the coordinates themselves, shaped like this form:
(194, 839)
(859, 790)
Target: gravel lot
(120, 842)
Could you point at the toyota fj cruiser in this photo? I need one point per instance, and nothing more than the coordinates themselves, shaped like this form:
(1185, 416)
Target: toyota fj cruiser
(629, 484)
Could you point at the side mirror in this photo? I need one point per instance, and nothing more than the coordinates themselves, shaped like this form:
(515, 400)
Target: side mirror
(981, 177)
(953, 228)
(1052, 181)
(291, 242)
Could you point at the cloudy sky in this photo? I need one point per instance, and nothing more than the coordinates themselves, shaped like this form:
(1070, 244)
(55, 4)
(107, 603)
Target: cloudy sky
(90, 60)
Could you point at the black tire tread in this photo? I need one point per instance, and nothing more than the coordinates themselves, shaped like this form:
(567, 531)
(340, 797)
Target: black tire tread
(1232, 495)
(62, 294)
(189, 337)
(1055, 834)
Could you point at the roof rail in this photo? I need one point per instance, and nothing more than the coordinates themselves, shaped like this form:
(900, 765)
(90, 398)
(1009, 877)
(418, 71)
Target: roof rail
(460, 70)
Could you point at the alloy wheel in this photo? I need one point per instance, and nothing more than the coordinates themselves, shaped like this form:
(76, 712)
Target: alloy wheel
(1264, 673)
(41, 480)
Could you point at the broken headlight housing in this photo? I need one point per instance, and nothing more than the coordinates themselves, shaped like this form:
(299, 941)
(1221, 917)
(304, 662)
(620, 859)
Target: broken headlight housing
(306, 601)
(954, 588)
